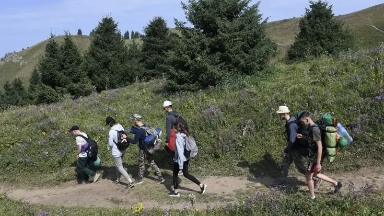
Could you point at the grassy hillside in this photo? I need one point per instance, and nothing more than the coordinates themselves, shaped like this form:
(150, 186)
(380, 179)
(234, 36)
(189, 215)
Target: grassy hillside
(20, 64)
(236, 126)
(283, 32)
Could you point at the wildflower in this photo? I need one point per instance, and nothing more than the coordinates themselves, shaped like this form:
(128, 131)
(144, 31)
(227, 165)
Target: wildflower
(138, 209)
(43, 133)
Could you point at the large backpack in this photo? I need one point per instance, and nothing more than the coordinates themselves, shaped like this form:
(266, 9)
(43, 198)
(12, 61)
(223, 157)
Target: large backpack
(92, 148)
(152, 140)
(329, 136)
(190, 147)
(121, 144)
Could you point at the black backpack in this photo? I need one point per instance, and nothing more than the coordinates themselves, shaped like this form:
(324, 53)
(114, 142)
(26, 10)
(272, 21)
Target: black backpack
(122, 144)
(181, 120)
(92, 149)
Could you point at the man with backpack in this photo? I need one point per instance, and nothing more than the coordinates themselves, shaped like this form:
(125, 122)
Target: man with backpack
(316, 154)
(293, 151)
(170, 120)
(140, 136)
(83, 160)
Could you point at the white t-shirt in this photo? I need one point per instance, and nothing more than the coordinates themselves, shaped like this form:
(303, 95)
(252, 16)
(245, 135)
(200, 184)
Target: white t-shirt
(81, 141)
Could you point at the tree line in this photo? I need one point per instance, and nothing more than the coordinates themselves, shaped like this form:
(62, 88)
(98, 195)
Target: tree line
(227, 39)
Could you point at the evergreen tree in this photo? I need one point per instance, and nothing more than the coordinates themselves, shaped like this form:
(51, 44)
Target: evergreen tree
(137, 34)
(48, 65)
(126, 35)
(92, 33)
(79, 32)
(15, 93)
(70, 65)
(228, 38)
(320, 33)
(106, 58)
(34, 85)
(156, 42)
(132, 34)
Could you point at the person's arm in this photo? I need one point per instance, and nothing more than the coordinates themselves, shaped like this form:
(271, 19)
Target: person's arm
(291, 137)
(319, 151)
(168, 128)
(136, 139)
(180, 151)
(110, 138)
(78, 150)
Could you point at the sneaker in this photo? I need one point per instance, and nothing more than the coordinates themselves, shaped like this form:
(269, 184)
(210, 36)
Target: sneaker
(180, 172)
(317, 182)
(138, 181)
(130, 185)
(338, 187)
(160, 180)
(85, 182)
(96, 177)
(116, 181)
(173, 194)
(203, 188)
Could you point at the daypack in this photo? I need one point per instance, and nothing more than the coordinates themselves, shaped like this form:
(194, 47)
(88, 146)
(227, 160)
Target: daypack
(92, 148)
(302, 129)
(329, 136)
(152, 140)
(121, 144)
(190, 147)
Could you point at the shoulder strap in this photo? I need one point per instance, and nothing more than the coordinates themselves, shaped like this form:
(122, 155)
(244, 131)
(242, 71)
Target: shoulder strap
(86, 139)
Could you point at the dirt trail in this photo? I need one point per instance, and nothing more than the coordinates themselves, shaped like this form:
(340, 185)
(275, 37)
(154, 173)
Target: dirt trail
(220, 190)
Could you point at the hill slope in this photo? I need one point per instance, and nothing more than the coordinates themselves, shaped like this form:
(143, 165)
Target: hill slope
(20, 64)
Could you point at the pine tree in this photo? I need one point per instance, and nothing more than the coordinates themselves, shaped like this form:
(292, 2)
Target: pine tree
(70, 65)
(156, 42)
(320, 33)
(48, 65)
(228, 39)
(15, 93)
(132, 35)
(126, 35)
(79, 32)
(106, 58)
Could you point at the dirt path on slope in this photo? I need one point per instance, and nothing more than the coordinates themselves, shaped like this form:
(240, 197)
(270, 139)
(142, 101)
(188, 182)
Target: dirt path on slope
(220, 190)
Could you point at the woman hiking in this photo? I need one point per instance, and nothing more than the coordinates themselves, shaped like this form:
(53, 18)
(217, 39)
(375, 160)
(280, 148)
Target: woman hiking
(181, 162)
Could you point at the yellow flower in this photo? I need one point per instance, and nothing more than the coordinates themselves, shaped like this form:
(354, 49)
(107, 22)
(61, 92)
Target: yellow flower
(43, 133)
(138, 209)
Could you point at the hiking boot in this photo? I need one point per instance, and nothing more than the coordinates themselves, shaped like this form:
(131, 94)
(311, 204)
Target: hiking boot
(138, 181)
(203, 188)
(180, 172)
(317, 182)
(160, 180)
(173, 194)
(130, 185)
(338, 187)
(97, 176)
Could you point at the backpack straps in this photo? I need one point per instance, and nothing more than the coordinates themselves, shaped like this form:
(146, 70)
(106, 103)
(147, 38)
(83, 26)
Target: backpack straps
(82, 136)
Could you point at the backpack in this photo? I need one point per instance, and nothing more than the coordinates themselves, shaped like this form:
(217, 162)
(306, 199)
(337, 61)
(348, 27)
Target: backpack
(190, 147)
(121, 144)
(152, 140)
(302, 129)
(92, 149)
(329, 135)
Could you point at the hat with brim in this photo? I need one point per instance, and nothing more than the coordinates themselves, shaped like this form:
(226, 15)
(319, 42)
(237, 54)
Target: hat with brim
(282, 109)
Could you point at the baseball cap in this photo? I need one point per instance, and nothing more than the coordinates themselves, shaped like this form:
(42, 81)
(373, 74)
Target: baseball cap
(136, 117)
(74, 127)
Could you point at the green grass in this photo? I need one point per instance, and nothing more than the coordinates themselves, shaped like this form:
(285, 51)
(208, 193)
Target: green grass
(283, 32)
(236, 127)
(273, 203)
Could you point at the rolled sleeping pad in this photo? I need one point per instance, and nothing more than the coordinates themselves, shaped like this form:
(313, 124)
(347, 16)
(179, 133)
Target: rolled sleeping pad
(330, 140)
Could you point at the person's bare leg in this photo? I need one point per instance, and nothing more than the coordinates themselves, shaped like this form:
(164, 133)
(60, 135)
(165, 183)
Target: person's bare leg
(311, 184)
(326, 178)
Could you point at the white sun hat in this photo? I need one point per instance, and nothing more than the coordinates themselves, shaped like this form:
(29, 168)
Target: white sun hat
(283, 109)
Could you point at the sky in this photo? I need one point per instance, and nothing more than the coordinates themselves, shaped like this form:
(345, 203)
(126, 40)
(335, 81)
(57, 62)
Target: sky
(24, 23)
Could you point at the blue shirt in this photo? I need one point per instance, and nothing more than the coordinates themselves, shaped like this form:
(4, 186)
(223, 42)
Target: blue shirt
(140, 135)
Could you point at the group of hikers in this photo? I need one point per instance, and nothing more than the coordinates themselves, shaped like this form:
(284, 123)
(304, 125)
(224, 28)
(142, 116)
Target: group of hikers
(179, 143)
(305, 138)
(314, 140)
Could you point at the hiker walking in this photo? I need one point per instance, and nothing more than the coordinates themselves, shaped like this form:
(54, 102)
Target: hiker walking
(293, 151)
(181, 162)
(82, 157)
(170, 120)
(117, 153)
(316, 154)
(139, 137)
